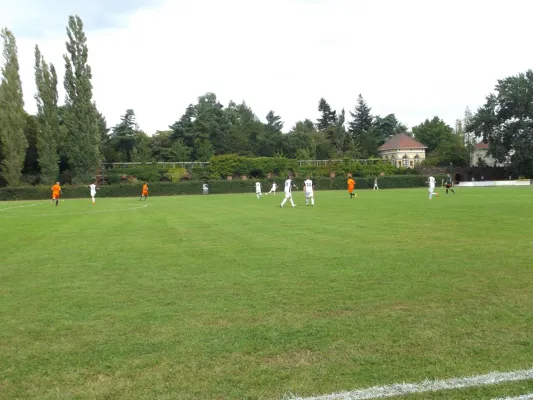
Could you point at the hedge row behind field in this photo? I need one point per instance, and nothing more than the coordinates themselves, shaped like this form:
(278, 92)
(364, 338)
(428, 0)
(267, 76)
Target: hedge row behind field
(222, 166)
(215, 187)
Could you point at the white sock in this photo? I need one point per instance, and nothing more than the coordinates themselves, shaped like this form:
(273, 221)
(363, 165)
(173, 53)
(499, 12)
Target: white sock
(312, 201)
(292, 202)
(284, 201)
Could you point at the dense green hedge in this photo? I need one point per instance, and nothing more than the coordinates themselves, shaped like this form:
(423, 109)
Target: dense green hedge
(223, 166)
(215, 187)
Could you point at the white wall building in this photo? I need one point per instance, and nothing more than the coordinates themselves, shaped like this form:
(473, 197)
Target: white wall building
(480, 156)
(403, 151)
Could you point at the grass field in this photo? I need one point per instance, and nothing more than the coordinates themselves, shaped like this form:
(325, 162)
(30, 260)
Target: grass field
(230, 297)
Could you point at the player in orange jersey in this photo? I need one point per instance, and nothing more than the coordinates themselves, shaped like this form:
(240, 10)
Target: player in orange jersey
(351, 186)
(56, 192)
(144, 192)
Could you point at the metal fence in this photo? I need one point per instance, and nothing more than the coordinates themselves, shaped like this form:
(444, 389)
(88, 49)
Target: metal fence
(323, 163)
(190, 165)
(186, 165)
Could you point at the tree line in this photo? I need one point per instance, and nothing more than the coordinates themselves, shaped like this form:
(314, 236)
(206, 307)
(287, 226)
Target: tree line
(73, 138)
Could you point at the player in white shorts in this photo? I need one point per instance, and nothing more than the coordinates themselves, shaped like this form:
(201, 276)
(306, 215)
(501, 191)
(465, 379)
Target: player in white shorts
(376, 184)
(308, 189)
(273, 188)
(288, 192)
(92, 187)
(258, 189)
(431, 182)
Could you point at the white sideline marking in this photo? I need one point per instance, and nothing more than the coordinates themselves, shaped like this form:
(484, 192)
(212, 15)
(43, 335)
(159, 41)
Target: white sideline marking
(400, 389)
(59, 213)
(27, 205)
(523, 397)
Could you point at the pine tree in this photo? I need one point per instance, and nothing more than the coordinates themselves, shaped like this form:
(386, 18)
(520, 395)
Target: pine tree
(123, 136)
(48, 117)
(270, 138)
(274, 122)
(362, 119)
(328, 117)
(81, 118)
(12, 115)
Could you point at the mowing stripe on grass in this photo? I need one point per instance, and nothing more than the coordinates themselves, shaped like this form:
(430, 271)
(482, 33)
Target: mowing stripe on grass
(27, 205)
(94, 212)
(60, 213)
(400, 389)
(523, 397)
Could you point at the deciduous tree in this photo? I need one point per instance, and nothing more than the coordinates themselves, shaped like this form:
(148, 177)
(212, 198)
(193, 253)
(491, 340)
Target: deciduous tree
(505, 121)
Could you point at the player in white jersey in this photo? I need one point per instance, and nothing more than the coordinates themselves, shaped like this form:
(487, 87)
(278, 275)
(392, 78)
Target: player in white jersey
(258, 189)
(273, 188)
(93, 188)
(308, 189)
(431, 183)
(376, 184)
(288, 192)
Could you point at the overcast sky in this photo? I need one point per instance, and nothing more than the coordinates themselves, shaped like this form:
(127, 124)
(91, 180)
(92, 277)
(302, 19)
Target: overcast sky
(414, 58)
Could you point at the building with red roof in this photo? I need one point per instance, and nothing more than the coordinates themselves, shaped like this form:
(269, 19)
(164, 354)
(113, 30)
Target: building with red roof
(403, 150)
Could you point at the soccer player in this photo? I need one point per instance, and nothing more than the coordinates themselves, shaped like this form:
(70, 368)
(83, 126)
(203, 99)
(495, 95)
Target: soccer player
(288, 192)
(449, 184)
(205, 188)
(351, 186)
(376, 184)
(144, 192)
(258, 189)
(93, 188)
(273, 188)
(431, 183)
(308, 189)
(56, 192)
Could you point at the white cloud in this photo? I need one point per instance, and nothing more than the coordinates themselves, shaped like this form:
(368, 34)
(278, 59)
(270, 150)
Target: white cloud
(414, 58)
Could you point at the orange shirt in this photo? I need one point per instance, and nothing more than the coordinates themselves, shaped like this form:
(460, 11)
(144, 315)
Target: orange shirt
(145, 188)
(56, 189)
(351, 183)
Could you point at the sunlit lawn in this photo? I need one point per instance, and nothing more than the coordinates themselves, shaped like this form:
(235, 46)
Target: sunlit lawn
(230, 297)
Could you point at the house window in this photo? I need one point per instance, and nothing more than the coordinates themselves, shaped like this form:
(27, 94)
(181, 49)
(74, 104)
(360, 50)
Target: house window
(405, 161)
(412, 164)
(417, 159)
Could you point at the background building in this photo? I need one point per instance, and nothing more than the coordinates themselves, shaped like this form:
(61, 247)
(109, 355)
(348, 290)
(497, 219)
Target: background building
(403, 151)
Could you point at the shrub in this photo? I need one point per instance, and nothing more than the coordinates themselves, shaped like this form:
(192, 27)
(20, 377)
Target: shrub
(176, 174)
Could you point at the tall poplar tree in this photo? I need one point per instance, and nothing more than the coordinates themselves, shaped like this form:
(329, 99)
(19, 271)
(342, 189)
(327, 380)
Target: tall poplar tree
(12, 116)
(81, 118)
(47, 113)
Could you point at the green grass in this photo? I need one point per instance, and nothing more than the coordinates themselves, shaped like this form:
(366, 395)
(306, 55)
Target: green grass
(230, 297)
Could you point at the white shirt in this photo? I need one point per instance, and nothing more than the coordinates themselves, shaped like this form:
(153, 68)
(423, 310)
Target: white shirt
(288, 185)
(274, 186)
(204, 186)
(93, 188)
(431, 181)
(308, 186)
(257, 187)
